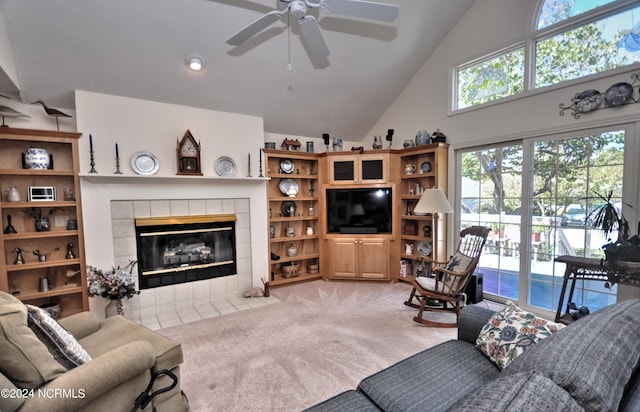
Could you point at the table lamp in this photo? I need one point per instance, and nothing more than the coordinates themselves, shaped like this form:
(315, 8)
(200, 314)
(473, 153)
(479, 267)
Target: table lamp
(433, 201)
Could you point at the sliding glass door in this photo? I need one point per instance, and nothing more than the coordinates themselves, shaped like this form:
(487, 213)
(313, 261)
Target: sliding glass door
(536, 196)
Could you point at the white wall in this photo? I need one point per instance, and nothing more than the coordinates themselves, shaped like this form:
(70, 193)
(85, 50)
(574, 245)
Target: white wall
(139, 125)
(487, 26)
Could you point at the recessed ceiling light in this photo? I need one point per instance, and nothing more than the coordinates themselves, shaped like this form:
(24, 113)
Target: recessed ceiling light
(195, 63)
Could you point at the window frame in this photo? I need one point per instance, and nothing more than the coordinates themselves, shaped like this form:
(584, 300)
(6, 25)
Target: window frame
(529, 43)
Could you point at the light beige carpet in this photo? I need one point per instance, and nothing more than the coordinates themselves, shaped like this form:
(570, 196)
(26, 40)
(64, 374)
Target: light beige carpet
(322, 339)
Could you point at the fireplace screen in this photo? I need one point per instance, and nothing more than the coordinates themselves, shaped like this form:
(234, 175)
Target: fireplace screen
(183, 249)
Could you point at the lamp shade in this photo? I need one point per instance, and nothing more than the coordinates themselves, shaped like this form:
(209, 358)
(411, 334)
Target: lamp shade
(433, 201)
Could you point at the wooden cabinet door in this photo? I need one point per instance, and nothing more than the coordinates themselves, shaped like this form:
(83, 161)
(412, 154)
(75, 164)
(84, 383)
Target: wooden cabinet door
(343, 258)
(373, 258)
(343, 170)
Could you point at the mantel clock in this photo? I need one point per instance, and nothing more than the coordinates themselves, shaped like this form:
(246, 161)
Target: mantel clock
(188, 154)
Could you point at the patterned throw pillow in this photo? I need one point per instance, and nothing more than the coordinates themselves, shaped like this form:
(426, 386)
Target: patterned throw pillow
(60, 343)
(512, 331)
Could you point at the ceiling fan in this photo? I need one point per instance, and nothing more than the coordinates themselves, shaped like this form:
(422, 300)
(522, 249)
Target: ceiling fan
(309, 26)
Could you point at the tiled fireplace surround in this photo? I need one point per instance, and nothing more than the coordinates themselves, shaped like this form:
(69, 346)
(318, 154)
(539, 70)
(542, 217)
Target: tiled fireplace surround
(186, 302)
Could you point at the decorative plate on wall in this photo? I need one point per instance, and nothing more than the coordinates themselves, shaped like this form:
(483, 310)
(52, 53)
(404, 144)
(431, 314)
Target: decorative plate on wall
(618, 94)
(225, 166)
(145, 163)
(286, 165)
(289, 187)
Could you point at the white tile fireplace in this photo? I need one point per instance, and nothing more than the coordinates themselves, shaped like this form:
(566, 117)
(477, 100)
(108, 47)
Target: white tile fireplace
(110, 207)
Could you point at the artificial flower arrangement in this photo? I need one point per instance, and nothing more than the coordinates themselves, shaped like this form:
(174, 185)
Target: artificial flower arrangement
(115, 284)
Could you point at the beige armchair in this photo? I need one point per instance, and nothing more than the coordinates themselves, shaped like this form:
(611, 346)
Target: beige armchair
(124, 358)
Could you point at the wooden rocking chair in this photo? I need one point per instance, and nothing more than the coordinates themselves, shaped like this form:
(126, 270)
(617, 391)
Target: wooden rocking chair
(447, 280)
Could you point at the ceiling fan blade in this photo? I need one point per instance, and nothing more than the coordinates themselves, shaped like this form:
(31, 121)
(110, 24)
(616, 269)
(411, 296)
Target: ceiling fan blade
(254, 28)
(313, 37)
(361, 8)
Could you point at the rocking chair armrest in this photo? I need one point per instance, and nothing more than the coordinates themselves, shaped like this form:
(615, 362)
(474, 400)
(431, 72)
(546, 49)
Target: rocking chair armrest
(427, 259)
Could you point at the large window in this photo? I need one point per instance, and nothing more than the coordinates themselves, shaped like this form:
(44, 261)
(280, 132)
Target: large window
(536, 197)
(491, 79)
(572, 39)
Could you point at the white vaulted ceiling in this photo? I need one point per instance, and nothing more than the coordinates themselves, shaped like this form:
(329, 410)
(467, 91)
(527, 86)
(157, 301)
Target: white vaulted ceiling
(137, 48)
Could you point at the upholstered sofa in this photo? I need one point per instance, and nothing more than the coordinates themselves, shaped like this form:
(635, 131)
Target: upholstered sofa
(116, 360)
(590, 365)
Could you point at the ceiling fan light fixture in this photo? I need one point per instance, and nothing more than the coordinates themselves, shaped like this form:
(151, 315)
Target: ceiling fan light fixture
(195, 63)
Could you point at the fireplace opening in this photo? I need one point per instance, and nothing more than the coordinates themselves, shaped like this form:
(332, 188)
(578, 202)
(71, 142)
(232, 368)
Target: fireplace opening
(181, 249)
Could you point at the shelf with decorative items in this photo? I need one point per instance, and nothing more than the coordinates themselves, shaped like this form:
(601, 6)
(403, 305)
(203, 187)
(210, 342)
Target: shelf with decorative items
(292, 198)
(421, 168)
(617, 95)
(42, 260)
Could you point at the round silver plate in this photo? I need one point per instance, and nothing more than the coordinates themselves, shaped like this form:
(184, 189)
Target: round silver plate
(145, 163)
(289, 187)
(225, 166)
(287, 166)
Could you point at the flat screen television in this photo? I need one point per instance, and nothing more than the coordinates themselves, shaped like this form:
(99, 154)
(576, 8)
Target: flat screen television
(361, 210)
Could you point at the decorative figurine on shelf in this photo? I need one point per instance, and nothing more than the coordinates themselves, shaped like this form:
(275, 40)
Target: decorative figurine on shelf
(42, 257)
(19, 258)
(377, 142)
(438, 137)
(389, 137)
(55, 113)
(337, 144)
(426, 231)
(9, 228)
(70, 254)
(42, 222)
(326, 138)
(290, 144)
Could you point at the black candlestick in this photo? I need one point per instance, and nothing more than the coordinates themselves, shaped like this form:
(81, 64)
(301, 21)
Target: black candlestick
(117, 172)
(92, 163)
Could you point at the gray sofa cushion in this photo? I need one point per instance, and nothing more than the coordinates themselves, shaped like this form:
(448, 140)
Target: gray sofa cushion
(424, 382)
(344, 402)
(526, 391)
(592, 359)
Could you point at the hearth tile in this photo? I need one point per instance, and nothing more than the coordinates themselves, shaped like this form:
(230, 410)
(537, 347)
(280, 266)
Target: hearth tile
(146, 312)
(183, 291)
(189, 316)
(197, 207)
(214, 206)
(121, 210)
(228, 205)
(255, 303)
(160, 208)
(170, 322)
(164, 316)
(179, 207)
(147, 298)
(141, 208)
(184, 304)
(240, 304)
(123, 228)
(200, 288)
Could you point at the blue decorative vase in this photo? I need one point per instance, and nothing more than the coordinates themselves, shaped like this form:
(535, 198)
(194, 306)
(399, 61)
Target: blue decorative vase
(337, 144)
(422, 138)
(36, 158)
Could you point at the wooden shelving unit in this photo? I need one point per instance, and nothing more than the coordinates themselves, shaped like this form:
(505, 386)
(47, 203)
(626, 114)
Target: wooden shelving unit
(286, 230)
(66, 274)
(430, 163)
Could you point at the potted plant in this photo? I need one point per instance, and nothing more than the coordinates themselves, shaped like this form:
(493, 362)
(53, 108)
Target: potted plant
(608, 219)
(115, 284)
